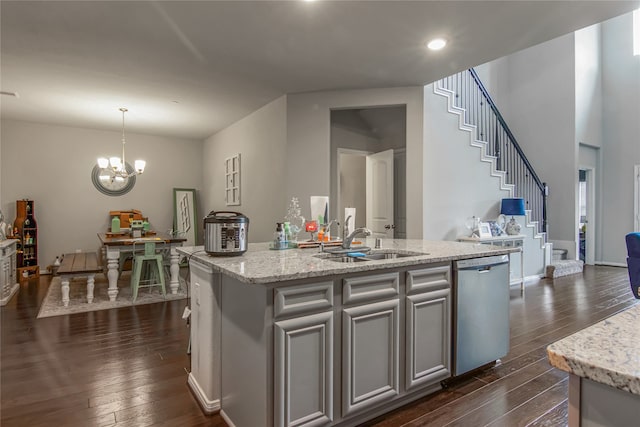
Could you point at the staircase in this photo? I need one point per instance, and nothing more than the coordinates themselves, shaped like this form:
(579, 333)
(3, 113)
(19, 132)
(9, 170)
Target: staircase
(469, 98)
(478, 115)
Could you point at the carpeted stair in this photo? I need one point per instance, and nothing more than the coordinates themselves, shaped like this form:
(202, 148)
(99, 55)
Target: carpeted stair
(564, 267)
(559, 254)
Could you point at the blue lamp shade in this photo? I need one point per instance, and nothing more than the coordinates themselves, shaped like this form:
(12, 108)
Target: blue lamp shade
(512, 207)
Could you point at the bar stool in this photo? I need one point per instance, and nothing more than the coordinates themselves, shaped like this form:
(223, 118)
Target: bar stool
(147, 269)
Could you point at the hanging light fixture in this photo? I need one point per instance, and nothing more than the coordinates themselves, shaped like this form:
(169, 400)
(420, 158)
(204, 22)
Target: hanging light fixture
(116, 167)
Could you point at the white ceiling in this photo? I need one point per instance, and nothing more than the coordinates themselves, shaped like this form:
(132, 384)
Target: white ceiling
(188, 69)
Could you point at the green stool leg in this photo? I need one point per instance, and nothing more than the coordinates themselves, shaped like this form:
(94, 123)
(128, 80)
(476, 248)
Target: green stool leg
(150, 267)
(135, 278)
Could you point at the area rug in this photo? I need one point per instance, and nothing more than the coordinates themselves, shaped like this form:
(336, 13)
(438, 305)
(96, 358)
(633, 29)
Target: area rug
(52, 303)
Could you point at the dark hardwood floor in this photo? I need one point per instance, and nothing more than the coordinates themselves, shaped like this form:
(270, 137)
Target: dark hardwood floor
(128, 367)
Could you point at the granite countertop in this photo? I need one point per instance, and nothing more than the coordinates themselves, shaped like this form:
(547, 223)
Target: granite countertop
(607, 352)
(261, 265)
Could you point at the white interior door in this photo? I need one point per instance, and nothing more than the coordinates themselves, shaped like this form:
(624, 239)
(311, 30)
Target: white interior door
(379, 177)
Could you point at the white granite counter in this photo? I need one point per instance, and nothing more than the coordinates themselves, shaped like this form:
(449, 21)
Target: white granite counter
(607, 352)
(262, 265)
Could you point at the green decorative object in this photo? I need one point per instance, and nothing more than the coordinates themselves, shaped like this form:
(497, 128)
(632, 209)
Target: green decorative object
(115, 224)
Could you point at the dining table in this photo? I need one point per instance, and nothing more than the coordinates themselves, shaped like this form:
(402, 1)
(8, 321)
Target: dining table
(114, 245)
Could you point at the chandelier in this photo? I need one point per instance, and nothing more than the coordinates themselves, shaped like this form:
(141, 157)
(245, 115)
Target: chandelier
(117, 167)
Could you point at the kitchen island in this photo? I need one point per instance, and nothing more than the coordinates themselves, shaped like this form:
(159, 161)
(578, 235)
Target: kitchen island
(603, 361)
(299, 337)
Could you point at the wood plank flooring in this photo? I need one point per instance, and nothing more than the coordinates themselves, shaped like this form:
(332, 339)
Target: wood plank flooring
(128, 367)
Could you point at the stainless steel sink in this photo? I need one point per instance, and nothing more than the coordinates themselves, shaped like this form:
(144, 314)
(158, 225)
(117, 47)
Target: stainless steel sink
(372, 256)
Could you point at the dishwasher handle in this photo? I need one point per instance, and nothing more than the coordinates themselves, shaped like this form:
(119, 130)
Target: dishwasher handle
(481, 263)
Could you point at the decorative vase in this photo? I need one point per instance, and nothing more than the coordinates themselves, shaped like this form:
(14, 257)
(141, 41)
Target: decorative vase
(295, 219)
(512, 228)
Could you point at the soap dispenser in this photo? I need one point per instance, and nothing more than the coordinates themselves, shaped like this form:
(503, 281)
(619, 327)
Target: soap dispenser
(279, 239)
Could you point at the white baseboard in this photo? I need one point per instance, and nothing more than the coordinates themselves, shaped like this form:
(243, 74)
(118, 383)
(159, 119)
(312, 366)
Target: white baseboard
(533, 278)
(611, 264)
(226, 419)
(208, 406)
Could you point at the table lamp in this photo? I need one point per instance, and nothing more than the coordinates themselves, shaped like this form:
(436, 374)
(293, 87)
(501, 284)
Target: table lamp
(512, 207)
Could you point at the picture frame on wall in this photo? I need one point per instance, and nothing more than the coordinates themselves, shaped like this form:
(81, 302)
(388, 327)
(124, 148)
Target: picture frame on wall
(232, 180)
(185, 219)
(484, 230)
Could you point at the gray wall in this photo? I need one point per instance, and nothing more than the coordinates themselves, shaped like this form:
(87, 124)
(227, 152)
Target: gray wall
(580, 88)
(52, 165)
(621, 136)
(457, 184)
(539, 107)
(308, 142)
(589, 128)
(353, 194)
(588, 86)
(260, 138)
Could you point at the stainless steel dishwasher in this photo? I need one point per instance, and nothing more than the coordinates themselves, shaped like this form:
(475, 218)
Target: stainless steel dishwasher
(481, 312)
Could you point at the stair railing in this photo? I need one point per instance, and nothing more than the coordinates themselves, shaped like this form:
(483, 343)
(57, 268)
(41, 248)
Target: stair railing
(481, 112)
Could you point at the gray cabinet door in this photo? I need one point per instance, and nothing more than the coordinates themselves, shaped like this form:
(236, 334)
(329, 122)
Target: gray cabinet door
(370, 352)
(428, 323)
(304, 371)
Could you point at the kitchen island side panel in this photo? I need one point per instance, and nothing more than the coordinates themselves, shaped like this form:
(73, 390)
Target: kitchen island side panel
(205, 325)
(247, 349)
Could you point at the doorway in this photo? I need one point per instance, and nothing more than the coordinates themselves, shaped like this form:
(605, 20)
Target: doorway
(358, 133)
(586, 214)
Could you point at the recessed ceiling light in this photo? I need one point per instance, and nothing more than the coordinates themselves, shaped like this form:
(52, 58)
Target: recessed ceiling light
(437, 44)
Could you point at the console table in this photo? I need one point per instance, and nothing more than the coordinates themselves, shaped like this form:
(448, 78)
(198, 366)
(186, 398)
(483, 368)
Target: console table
(516, 259)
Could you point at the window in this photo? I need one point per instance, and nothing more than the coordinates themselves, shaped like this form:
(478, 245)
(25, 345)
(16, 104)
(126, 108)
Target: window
(232, 180)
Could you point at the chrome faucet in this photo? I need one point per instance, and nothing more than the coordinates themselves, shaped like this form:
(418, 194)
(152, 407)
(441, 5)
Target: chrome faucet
(345, 227)
(362, 231)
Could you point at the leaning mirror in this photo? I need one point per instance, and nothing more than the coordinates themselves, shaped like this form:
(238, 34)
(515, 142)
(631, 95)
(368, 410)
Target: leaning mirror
(184, 215)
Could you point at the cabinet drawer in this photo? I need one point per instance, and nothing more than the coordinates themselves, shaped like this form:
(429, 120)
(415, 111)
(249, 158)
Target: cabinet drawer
(368, 288)
(428, 279)
(305, 298)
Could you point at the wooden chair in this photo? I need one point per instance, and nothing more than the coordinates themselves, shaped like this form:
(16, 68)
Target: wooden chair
(147, 269)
